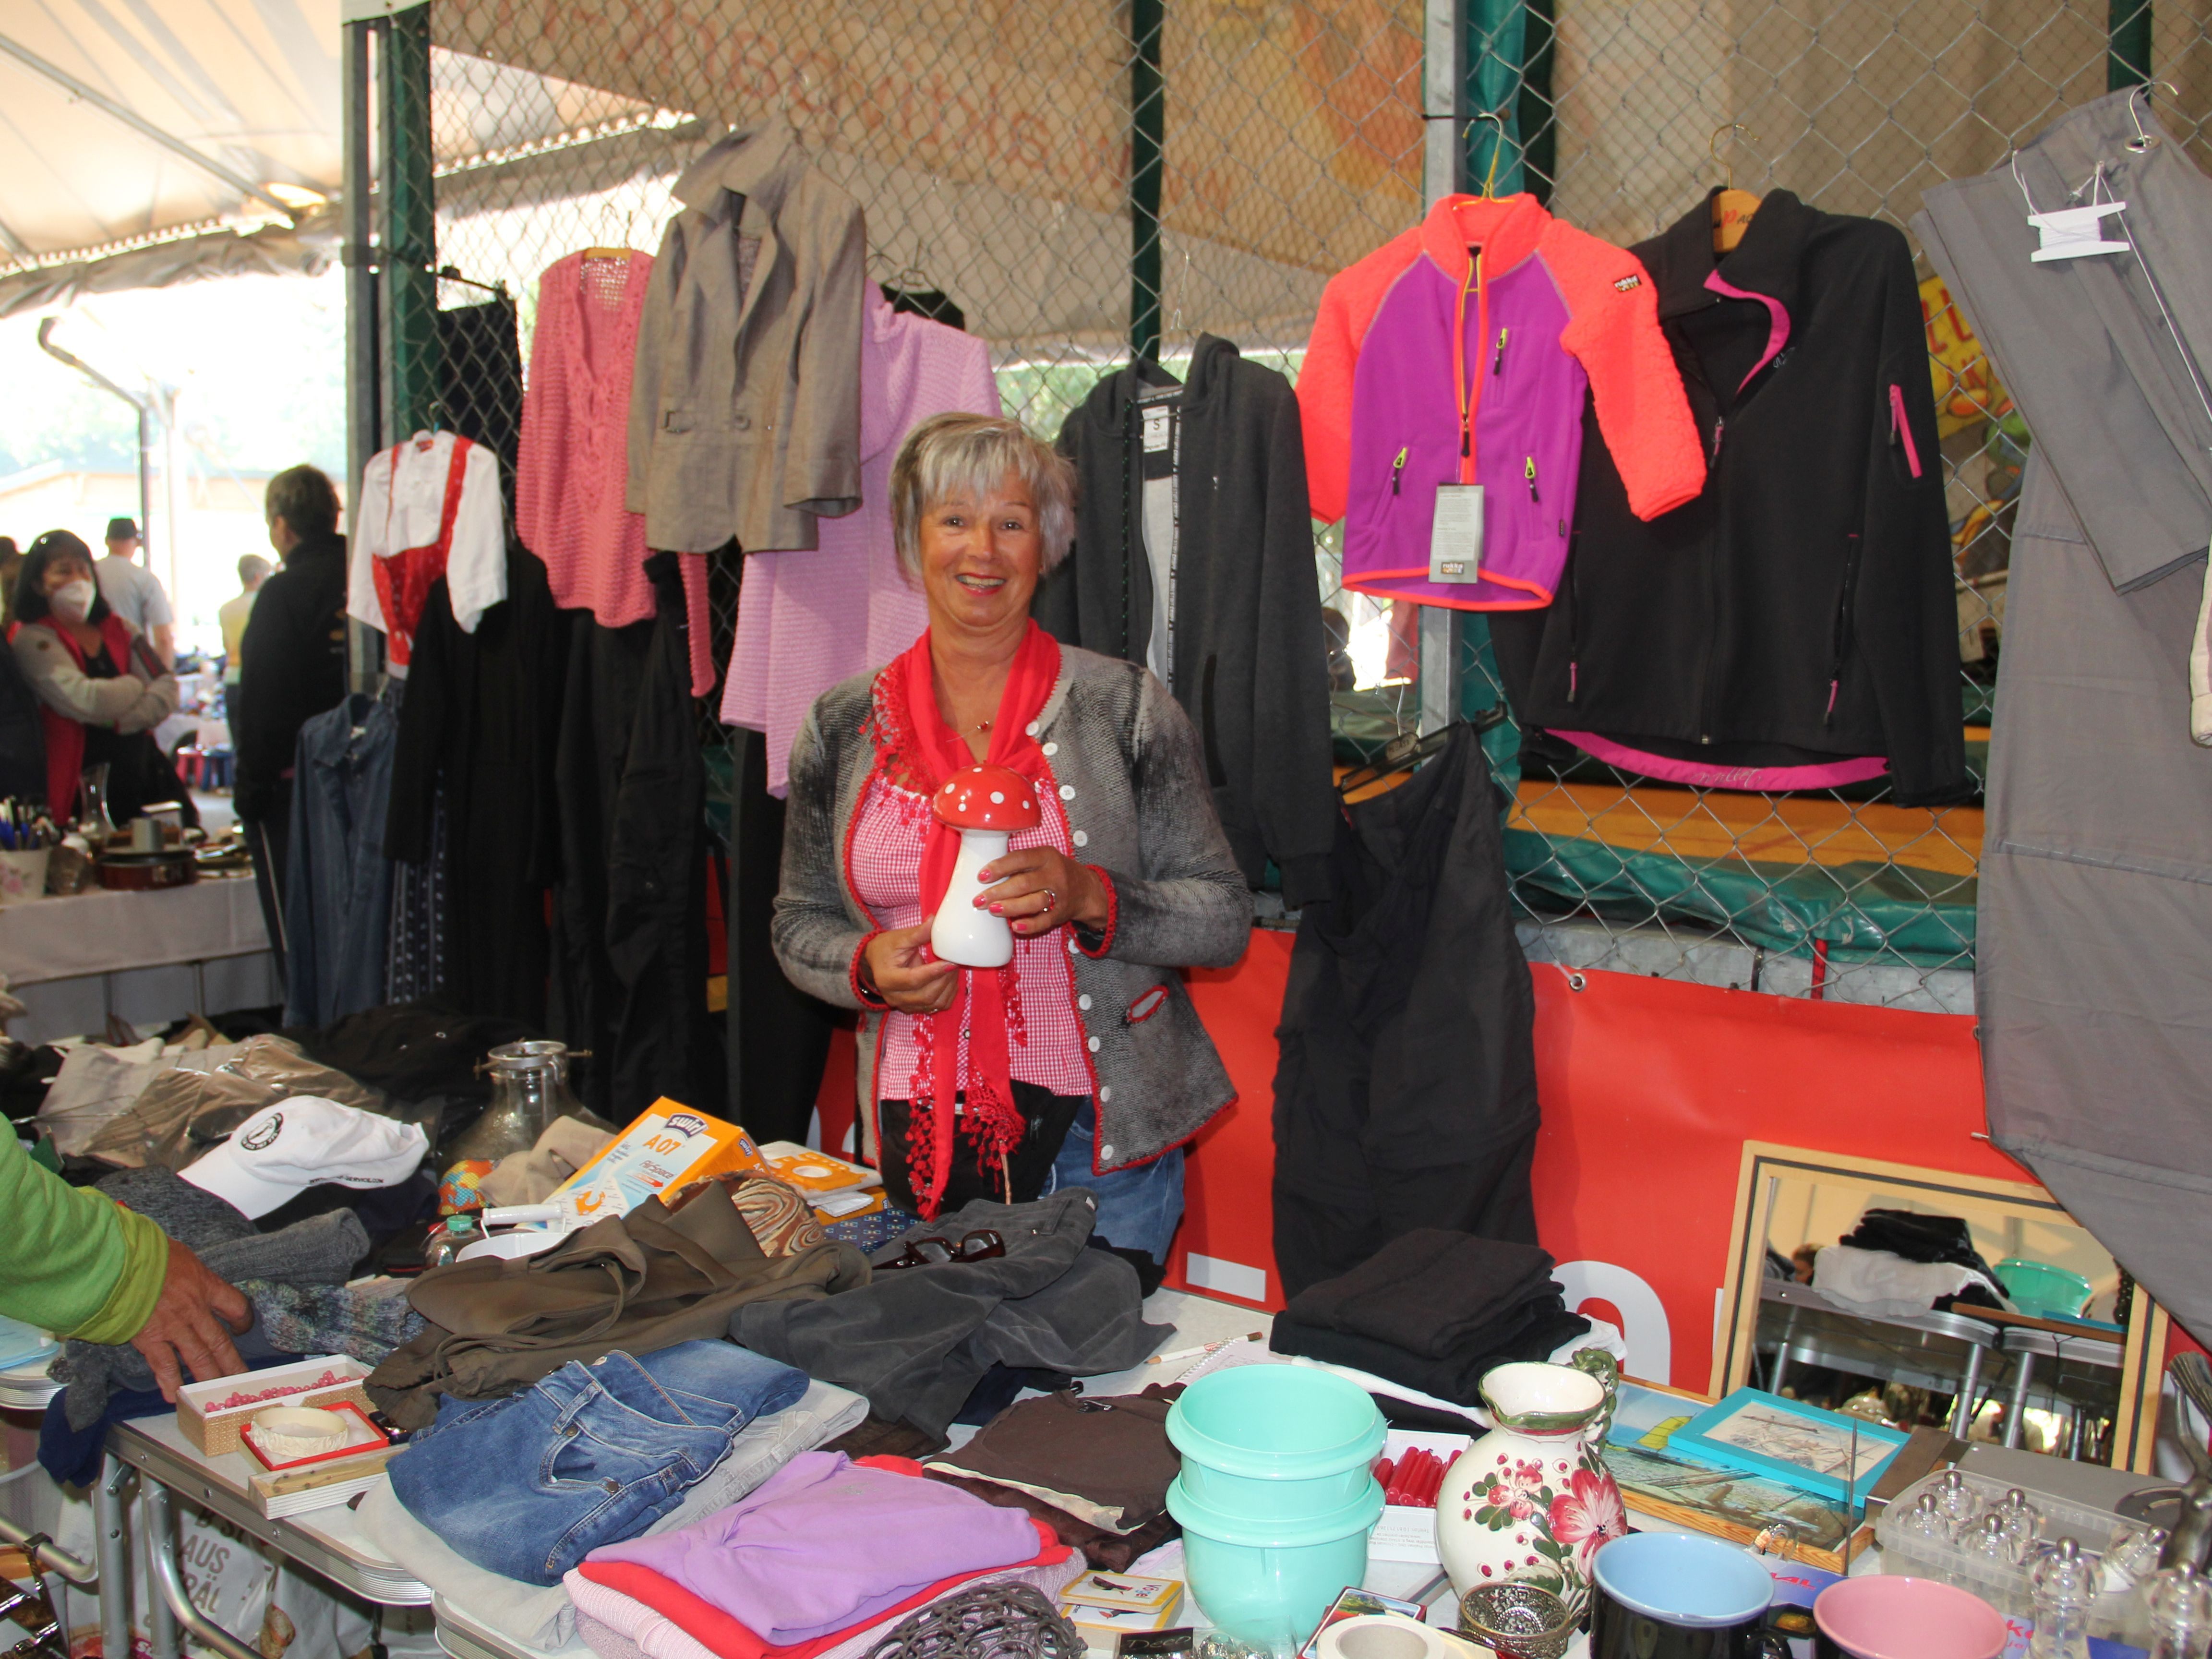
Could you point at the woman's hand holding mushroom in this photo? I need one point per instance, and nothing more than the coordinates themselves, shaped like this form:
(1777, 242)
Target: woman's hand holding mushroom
(1042, 887)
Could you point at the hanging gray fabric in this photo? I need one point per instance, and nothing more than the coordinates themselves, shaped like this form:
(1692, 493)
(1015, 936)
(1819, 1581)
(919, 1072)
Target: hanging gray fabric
(2094, 938)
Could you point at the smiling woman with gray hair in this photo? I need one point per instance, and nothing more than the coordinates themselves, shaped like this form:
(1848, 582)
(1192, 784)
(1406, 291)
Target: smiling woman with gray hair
(1083, 1062)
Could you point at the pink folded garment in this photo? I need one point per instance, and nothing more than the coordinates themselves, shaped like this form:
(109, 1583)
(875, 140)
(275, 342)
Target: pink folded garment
(618, 1627)
(824, 1543)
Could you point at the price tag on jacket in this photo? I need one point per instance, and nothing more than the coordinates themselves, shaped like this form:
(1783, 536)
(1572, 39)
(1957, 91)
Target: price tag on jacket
(1455, 537)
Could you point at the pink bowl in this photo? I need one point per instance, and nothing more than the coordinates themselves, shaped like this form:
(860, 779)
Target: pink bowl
(1880, 1616)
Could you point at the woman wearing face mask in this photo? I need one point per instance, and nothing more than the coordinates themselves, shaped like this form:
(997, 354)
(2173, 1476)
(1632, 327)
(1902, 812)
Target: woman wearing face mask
(1083, 1064)
(100, 690)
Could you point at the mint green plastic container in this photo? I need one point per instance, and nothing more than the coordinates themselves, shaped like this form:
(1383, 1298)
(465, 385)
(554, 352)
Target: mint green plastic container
(1276, 1497)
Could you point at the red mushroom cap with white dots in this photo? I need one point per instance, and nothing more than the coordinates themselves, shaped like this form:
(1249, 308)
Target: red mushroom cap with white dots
(988, 798)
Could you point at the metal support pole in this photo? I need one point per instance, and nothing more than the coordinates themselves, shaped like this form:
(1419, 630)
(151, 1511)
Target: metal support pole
(161, 1622)
(1147, 167)
(1962, 1410)
(2127, 29)
(111, 1550)
(169, 1583)
(409, 226)
(145, 428)
(364, 388)
(1443, 155)
(2017, 1415)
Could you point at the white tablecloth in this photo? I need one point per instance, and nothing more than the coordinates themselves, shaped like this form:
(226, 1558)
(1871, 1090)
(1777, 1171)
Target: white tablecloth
(105, 933)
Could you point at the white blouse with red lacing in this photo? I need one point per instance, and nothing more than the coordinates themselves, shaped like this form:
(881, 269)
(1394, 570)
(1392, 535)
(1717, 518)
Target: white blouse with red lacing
(1047, 1047)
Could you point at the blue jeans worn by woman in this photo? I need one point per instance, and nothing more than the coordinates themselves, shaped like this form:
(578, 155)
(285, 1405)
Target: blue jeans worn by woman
(1138, 1209)
(527, 1486)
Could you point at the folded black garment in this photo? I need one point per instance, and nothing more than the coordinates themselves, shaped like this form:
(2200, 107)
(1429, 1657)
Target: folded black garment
(1918, 1238)
(1429, 1292)
(1532, 1331)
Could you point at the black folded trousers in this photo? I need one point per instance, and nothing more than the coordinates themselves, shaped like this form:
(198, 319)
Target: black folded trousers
(1405, 1093)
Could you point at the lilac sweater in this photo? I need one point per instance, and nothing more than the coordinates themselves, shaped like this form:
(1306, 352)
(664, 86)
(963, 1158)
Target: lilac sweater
(824, 1543)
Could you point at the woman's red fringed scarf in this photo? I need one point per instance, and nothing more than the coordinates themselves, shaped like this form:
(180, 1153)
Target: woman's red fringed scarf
(987, 1008)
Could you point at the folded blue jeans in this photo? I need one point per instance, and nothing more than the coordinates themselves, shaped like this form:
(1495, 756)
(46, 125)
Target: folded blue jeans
(527, 1486)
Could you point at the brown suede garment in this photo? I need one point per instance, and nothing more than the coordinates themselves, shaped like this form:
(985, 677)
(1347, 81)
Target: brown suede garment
(639, 1282)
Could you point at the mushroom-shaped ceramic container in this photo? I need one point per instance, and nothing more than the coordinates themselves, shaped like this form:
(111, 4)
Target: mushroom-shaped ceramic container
(985, 805)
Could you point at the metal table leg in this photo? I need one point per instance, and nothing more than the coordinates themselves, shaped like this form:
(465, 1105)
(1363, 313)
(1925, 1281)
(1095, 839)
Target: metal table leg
(111, 1550)
(161, 1622)
(1782, 1353)
(2016, 1416)
(1962, 1412)
(169, 1583)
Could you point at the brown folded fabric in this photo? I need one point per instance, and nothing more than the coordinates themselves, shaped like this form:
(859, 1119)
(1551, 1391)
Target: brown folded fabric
(1112, 1451)
(881, 1437)
(1108, 1551)
(640, 1283)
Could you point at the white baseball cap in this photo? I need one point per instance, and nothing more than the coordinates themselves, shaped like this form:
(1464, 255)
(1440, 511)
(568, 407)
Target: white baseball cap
(306, 1141)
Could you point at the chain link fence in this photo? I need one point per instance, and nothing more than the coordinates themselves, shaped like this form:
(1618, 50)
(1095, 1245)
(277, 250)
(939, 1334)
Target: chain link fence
(990, 145)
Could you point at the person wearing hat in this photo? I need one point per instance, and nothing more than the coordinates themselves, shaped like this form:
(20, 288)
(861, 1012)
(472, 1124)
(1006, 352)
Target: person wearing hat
(134, 592)
(76, 1262)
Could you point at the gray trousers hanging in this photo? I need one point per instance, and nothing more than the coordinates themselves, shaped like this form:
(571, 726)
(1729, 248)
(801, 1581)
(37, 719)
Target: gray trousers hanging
(2094, 982)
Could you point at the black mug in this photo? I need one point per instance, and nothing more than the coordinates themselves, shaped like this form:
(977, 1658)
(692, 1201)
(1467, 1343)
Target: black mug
(1677, 1596)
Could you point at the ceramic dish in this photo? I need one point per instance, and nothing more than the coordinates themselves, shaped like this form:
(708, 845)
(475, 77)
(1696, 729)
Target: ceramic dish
(292, 1431)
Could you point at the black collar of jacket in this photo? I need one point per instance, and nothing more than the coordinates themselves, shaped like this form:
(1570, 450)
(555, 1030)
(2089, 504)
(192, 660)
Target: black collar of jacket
(1767, 260)
(1209, 367)
(309, 549)
(760, 163)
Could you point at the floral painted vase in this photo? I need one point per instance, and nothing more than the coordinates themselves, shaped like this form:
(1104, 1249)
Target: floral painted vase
(1532, 1501)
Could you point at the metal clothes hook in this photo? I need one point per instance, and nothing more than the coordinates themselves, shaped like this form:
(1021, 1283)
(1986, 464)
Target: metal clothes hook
(2143, 140)
(1713, 150)
(1504, 134)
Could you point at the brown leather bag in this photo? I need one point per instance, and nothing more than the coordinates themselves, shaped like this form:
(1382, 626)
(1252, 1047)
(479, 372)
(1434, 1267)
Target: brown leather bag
(640, 1283)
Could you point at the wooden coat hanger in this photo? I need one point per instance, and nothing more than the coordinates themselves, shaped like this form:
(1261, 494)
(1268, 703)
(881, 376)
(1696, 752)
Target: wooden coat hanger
(1732, 208)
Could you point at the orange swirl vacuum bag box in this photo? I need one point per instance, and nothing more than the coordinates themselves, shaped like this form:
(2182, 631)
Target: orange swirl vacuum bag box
(667, 1147)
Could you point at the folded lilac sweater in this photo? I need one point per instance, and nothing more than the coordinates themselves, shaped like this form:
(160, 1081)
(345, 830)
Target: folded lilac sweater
(823, 1543)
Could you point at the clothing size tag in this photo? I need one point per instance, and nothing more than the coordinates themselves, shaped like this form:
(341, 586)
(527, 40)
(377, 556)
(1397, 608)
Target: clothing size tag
(1455, 537)
(1160, 428)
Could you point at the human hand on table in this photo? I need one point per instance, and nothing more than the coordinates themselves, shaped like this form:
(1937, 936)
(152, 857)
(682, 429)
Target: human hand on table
(188, 1324)
(1040, 888)
(898, 967)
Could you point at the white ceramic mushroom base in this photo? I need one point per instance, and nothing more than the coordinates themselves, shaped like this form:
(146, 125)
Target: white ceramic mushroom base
(962, 933)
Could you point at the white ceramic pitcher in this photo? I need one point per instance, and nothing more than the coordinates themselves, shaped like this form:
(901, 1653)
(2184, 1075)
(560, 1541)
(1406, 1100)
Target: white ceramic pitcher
(1532, 1501)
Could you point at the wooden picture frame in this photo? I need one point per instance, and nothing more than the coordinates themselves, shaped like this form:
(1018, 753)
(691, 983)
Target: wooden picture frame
(1766, 1164)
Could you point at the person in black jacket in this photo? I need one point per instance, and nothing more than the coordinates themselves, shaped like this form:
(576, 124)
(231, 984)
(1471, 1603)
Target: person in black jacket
(1207, 482)
(292, 667)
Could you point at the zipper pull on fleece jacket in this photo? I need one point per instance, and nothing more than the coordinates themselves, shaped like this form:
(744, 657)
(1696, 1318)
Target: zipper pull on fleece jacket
(1416, 333)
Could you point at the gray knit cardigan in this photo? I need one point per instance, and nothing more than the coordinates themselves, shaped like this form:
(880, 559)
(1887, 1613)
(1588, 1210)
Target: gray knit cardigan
(1125, 762)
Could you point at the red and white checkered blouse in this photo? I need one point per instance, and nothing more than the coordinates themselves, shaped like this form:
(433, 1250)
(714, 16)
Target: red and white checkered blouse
(886, 852)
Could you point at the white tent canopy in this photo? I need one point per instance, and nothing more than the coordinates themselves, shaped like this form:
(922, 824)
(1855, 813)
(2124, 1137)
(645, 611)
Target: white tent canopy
(166, 131)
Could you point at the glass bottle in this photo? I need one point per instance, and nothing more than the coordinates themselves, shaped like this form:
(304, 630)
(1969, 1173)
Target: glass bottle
(2062, 1587)
(529, 1089)
(1958, 1503)
(447, 1243)
(2022, 1520)
(92, 798)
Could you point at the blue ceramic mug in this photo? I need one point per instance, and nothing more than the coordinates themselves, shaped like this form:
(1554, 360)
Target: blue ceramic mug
(1676, 1596)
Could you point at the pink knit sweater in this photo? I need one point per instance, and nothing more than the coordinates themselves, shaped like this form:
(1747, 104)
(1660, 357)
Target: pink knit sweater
(574, 455)
(807, 621)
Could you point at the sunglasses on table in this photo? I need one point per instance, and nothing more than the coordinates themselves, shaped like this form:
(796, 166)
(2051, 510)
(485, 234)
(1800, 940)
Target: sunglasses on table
(982, 1245)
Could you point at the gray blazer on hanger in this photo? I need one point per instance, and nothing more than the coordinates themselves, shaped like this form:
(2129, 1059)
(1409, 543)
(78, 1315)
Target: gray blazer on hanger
(2094, 932)
(744, 413)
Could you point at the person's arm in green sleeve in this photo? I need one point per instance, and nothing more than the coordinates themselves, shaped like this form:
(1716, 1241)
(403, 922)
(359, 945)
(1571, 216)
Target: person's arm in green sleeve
(76, 1263)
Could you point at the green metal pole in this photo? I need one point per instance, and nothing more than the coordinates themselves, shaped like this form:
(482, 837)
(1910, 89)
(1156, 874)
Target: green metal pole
(409, 225)
(1538, 130)
(1147, 166)
(2127, 60)
(1496, 47)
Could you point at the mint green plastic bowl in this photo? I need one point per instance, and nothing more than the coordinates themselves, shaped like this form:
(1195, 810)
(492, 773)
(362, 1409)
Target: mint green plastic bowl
(2041, 1291)
(1276, 1497)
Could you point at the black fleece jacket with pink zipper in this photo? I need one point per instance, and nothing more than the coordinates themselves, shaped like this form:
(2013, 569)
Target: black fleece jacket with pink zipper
(1794, 625)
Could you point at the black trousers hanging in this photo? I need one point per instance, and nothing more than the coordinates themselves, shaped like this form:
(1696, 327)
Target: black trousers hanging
(1405, 1093)
(779, 1037)
(630, 937)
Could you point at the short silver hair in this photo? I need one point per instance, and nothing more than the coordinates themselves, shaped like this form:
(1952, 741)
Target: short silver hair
(966, 457)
